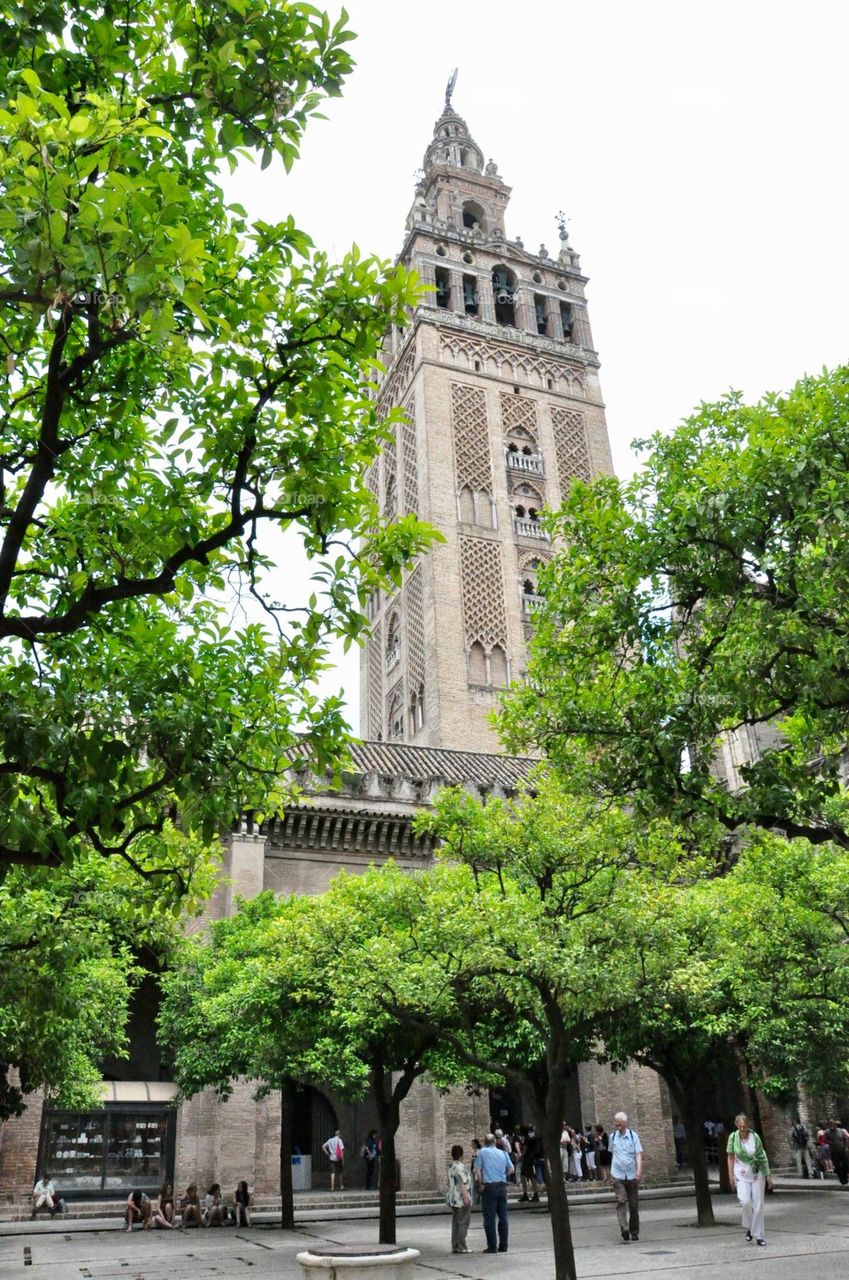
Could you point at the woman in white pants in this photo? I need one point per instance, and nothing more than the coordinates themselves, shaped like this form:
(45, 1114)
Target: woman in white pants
(748, 1169)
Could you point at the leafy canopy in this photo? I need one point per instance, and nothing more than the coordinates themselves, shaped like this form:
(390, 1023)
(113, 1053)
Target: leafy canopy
(74, 943)
(703, 608)
(177, 379)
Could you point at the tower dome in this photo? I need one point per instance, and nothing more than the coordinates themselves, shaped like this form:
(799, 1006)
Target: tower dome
(453, 145)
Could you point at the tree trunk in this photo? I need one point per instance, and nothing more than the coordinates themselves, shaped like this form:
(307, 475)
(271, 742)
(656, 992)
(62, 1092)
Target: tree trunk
(549, 1125)
(685, 1096)
(388, 1102)
(388, 1180)
(287, 1201)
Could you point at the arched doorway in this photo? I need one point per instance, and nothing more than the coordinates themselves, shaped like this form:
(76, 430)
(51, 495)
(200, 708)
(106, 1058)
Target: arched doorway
(313, 1122)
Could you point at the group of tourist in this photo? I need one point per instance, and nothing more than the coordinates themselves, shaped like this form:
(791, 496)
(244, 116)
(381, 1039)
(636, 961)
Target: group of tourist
(503, 1159)
(587, 1153)
(334, 1149)
(823, 1152)
(493, 1165)
(211, 1210)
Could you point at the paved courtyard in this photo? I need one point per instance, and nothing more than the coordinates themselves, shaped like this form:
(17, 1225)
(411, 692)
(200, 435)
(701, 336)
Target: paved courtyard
(807, 1239)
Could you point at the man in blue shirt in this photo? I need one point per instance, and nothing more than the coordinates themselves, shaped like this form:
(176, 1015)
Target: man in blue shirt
(626, 1170)
(494, 1166)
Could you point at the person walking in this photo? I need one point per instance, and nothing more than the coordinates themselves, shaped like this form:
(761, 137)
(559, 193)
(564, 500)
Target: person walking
(495, 1166)
(460, 1200)
(589, 1152)
(603, 1156)
(370, 1153)
(800, 1140)
(475, 1172)
(626, 1169)
(334, 1149)
(838, 1148)
(748, 1171)
(530, 1156)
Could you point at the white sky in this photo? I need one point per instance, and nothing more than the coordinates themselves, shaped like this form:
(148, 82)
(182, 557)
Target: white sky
(699, 150)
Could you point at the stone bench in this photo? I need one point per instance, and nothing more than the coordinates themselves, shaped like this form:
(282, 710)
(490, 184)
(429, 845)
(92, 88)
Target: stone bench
(358, 1262)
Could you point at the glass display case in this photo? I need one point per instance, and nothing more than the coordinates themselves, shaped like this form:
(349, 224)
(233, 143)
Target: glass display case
(120, 1148)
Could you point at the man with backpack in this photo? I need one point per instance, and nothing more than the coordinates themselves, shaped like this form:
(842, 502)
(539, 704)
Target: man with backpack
(626, 1169)
(800, 1140)
(838, 1145)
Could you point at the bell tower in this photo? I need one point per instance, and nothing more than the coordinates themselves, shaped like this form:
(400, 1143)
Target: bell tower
(499, 379)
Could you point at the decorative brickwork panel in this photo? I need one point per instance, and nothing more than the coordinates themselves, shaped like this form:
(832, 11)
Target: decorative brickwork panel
(519, 411)
(532, 495)
(372, 480)
(390, 480)
(570, 443)
(375, 682)
(409, 461)
(519, 365)
(471, 439)
(482, 582)
(396, 380)
(529, 559)
(395, 712)
(415, 631)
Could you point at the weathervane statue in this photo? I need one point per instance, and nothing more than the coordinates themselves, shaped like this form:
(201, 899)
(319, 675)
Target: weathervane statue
(449, 89)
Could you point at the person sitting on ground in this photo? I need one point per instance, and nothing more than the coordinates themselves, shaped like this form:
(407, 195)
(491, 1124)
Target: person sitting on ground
(138, 1207)
(242, 1205)
(190, 1207)
(214, 1208)
(44, 1195)
(164, 1213)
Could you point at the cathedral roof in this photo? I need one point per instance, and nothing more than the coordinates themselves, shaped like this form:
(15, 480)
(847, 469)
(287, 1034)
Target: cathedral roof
(435, 763)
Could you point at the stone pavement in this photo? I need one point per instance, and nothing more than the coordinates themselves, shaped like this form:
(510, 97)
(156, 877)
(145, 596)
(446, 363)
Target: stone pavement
(807, 1239)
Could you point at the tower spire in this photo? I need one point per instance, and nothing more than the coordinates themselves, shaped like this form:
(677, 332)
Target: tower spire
(449, 89)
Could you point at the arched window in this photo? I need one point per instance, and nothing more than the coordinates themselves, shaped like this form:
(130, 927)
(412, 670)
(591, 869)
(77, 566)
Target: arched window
(473, 215)
(477, 664)
(504, 294)
(467, 506)
(417, 710)
(393, 641)
(567, 320)
(520, 512)
(498, 668)
(396, 718)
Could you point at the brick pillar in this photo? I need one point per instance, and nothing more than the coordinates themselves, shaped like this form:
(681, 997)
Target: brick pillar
(427, 272)
(486, 301)
(244, 867)
(525, 313)
(19, 1149)
(555, 320)
(456, 298)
